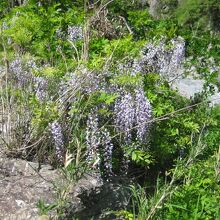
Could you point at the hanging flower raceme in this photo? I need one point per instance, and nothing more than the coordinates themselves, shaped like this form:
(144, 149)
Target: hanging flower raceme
(98, 141)
(41, 86)
(93, 140)
(75, 33)
(124, 112)
(143, 114)
(128, 113)
(161, 57)
(17, 71)
(22, 73)
(58, 138)
(107, 152)
(132, 113)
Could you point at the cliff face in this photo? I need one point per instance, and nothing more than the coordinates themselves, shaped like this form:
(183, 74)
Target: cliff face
(204, 14)
(154, 7)
(162, 9)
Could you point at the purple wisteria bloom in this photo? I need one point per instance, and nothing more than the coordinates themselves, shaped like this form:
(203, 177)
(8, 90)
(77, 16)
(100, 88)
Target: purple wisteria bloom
(58, 139)
(132, 113)
(163, 58)
(20, 74)
(4, 26)
(98, 140)
(93, 140)
(75, 33)
(107, 152)
(41, 86)
(16, 66)
(31, 64)
(59, 33)
(143, 114)
(124, 112)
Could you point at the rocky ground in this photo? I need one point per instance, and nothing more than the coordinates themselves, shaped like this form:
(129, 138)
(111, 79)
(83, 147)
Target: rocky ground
(22, 186)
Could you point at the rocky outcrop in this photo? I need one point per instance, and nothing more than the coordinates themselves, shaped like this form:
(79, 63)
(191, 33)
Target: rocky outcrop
(189, 87)
(110, 196)
(22, 186)
(162, 9)
(153, 9)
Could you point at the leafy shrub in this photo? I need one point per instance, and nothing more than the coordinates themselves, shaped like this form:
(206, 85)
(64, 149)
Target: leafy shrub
(115, 111)
(197, 14)
(198, 197)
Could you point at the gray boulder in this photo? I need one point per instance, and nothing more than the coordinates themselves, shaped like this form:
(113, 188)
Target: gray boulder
(189, 87)
(22, 185)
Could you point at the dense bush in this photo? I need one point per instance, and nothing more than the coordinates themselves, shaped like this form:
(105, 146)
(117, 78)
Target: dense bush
(86, 87)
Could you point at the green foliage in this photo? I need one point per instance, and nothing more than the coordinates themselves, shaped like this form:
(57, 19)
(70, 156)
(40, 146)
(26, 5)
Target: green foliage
(103, 51)
(23, 28)
(191, 193)
(128, 80)
(43, 114)
(198, 197)
(173, 132)
(198, 13)
(33, 28)
(3, 7)
(139, 202)
(144, 26)
(126, 215)
(121, 7)
(212, 137)
(178, 124)
(44, 208)
(141, 22)
(139, 157)
(107, 98)
(125, 47)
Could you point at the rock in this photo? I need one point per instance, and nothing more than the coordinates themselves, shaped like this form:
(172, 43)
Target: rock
(189, 87)
(91, 197)
(153, 10)
(161, 9)
(22, 186)
(113, 195)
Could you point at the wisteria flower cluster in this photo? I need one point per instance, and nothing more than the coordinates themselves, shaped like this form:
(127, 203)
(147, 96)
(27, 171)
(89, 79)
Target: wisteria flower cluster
(133, 67)
(124, 112)
(132, 113)
(41, 87)
(93, 140)
(23, 75)
(132, 116)
(69, 87)
(81, 80)
(107, 152)
(98, 140)
(143, 115)
(20, 74)
(58, 139)
(162, 58)
(59, 33)
(75, 33)
(4, 26)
